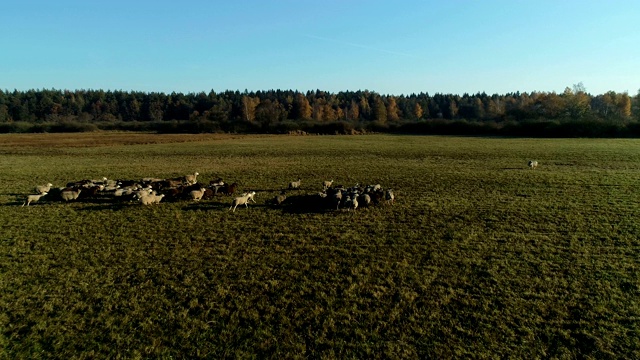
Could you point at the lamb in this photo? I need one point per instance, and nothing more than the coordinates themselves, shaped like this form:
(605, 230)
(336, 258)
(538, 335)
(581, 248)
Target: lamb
(337, 198)
(295, 184)
(196, 195)
(70, 194)
(33, 198)
(242, 200)
(533, 164)
(151, 199)
(43, 189)
(191, 178)
(327, 184)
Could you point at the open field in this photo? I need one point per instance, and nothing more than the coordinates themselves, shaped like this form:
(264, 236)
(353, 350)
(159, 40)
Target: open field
(480, 257)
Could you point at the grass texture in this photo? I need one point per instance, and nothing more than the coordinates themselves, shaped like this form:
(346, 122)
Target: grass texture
(480, 256)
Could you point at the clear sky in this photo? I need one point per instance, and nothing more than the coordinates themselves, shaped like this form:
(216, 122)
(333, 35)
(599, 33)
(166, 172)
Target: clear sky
(390, 47)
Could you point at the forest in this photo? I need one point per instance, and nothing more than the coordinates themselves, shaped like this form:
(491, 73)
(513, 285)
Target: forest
(572, 113)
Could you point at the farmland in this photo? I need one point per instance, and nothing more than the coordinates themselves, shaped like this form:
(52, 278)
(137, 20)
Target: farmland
(479, 256)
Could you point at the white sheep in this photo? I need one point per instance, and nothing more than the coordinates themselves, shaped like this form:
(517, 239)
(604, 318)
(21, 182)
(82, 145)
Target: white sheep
(196, 195)
(533, 164)
(70, 194)
(295, 184)
(242, 200)
(43, 189)
(327, 184)
(151, 199)
(191, 178)
(33, 198)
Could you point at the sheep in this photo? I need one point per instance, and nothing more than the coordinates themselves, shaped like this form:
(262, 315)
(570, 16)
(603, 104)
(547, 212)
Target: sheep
(365, 199)
(43, 189)
(151, 199)
(533, 164)
(327, 184)
(227, 189)
(242, 200)
(33, 198)
(279, 199)
(191, 178)
(196, 195)
(351, 203)
(295, 184)
(70, 194)
(337, 198)
(389, 197)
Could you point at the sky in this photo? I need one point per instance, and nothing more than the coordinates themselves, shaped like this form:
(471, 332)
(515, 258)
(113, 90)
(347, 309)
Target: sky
(390, 47)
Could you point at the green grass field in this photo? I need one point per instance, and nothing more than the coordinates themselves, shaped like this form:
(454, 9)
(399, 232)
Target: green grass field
(480, 257)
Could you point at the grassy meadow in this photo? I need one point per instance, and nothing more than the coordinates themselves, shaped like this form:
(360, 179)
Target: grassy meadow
(479, 257)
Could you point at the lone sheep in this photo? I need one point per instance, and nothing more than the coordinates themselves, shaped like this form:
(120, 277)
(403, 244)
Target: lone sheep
(533, 164)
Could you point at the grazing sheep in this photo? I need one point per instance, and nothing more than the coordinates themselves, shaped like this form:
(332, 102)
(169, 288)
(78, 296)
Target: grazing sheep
(33, 198)
(295, 184)
(533, 164)
(43, 189)
(242, 200)
(191, 178)
(151, 199)
(70, 194)
(327, 184)
(196, 195)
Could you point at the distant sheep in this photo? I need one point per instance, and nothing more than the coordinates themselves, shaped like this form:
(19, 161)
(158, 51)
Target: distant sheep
(533, 164)
(43, 189)
(242, 200)
(33, 198)
(295, 184)
(389, 196)
(327, 184)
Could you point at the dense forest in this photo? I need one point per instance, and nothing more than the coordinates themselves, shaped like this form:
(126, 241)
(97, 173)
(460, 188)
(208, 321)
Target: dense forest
(574, 112)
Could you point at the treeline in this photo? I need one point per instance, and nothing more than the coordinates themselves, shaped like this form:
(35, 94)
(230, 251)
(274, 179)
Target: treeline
(571, 113)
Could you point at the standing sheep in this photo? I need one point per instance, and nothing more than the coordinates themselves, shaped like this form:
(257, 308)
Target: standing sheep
(327, 184)
(533, 164)
(33, 198)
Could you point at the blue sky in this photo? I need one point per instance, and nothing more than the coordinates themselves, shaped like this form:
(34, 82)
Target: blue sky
(391, 47)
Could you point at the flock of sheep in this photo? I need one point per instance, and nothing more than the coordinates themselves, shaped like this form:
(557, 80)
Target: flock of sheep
(148, 191)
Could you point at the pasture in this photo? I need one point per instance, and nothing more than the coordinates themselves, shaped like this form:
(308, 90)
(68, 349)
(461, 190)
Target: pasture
(479, 257)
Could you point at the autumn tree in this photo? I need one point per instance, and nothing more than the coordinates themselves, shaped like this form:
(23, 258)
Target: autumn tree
(249, 105)
(392, 109)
